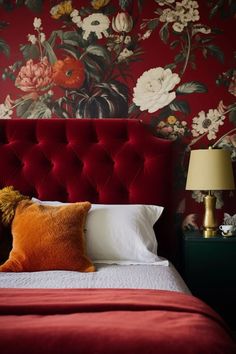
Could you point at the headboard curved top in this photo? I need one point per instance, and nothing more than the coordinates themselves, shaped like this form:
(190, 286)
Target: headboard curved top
(104, 161)
(107, 161)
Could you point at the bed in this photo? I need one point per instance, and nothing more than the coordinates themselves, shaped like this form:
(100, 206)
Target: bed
(118, 177)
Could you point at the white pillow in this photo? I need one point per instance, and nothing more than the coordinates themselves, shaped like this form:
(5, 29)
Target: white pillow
(121, 234)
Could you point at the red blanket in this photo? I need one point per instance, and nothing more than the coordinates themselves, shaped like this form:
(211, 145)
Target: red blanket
(102, 321)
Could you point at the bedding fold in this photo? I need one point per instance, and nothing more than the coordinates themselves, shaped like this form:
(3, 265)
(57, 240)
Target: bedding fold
(103, 321)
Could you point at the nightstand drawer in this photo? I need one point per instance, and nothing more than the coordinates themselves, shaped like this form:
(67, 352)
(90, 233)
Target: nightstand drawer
(211, 264)
(209, 269)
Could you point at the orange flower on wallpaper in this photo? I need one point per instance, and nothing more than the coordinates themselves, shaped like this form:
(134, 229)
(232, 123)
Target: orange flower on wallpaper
(35, 77)
(98, 4)
(69, 73)
(62, 9)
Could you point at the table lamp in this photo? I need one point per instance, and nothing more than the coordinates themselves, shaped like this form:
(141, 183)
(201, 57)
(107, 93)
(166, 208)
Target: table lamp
(210, 170)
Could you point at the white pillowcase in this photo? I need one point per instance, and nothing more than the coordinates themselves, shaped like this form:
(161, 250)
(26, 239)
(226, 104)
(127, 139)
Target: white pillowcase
(121, 234)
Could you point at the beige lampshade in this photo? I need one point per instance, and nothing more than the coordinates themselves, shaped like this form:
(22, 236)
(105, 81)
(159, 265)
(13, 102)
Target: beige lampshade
(210, 169)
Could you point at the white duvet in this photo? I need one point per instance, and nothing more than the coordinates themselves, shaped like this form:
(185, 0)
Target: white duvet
(107, 276)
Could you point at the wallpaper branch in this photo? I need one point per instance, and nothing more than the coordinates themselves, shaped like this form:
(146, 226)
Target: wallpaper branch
(170, 64)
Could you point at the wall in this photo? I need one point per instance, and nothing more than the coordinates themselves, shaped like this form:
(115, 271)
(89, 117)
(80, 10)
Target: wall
(168, 63)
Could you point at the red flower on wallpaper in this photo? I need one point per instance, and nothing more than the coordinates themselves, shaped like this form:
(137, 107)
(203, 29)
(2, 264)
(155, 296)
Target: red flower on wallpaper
(34, 77)
(69, 73)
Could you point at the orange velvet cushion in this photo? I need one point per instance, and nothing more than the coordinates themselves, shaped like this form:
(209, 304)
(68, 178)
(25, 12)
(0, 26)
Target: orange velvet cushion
(47, 238)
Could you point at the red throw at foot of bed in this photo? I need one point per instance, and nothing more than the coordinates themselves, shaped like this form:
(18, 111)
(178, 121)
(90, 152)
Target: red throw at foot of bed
(102, 321)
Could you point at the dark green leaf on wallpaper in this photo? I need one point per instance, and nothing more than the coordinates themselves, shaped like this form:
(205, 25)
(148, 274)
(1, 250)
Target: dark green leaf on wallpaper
(216, 30)
(49, 52)
(123, 72)
(108, 10)
(216, 8)
(34, 5)
(98, 51)
(204, 40)
(164, 32)
(97, 62)
(140, 5)
(190, 87)
(40, 110)
(215, 51)
(193, 65)
(60, 112)
(225, 78)
(30, 51)
(152, 24)
(73, 51)
(85, 11)
(58, 107)
(170, 66)
(226, 8)
(232, 116)
(133, 108)
(106, 101)
(24, 108)
(174, 44)
(54, 35)
(33, 109)
(179, 58)
(7, 5)
(164, 114)
(181, 106)
(8, 74)
(125, 3)
(4, 47)
(71, 37)
(94, 69)
(17, 65)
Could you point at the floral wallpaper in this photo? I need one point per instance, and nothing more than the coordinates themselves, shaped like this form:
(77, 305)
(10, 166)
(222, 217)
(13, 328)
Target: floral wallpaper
(170, 64)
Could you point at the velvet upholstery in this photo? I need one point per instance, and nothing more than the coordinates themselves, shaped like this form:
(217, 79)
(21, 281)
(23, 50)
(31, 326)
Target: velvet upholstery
(115, 161)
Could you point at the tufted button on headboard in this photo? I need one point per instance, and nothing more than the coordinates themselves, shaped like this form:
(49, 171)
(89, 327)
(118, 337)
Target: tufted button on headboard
(109, 161)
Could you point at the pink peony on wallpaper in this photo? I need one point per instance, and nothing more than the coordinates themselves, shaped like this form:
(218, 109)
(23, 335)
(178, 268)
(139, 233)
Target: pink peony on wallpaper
(170, 64)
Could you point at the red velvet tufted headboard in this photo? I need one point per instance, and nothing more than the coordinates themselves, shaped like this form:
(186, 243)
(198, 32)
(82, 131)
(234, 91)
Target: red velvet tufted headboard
(109, 161)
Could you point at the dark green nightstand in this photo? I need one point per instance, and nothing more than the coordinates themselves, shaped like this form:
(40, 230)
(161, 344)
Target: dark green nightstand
(209, 269)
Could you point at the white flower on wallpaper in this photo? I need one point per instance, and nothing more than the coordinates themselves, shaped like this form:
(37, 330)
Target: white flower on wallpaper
(37, 23)
(207, 123)
(153, 89)
(165, 2)
(96, 23)
(6, 109)
(32, 38)
(41, 37)
(184, 12)
(200, 28)
(126, 53)
(76, 18)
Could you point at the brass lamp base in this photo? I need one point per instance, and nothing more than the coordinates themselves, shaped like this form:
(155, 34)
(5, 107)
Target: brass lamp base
(209, 222)
(209, 232)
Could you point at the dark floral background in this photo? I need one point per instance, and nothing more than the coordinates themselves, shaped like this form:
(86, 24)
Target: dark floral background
(170, 64)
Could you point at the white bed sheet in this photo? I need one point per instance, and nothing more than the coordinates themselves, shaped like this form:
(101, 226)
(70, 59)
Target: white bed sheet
(107, 276)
